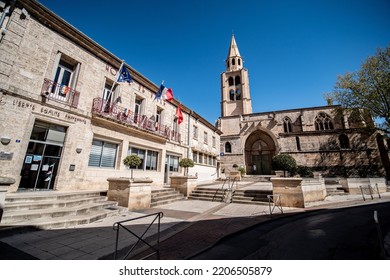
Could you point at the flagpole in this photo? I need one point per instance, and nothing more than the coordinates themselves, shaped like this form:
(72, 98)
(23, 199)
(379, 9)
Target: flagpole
(116, 79)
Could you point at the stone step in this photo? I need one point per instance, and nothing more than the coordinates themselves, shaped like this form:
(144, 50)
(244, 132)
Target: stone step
(248, 200)
(163, 202)
(209, 194)
(248, 196)
(55, 209)
(66, 221)
(47, 204)
(334, 189)
(49, 195)
(25, 216)
(165, 196)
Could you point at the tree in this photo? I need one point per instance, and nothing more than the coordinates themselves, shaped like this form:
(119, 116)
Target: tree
(186, 162)
(284, 162)
(368, 88)
(132, 161)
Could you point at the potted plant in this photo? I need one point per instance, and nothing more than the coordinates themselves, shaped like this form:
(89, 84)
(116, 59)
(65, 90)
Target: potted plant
(186, 163)
(242, 170)
(184, 184)
(285, 163)
(132, 161)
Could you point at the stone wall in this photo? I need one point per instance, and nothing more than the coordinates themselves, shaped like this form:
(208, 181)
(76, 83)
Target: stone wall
(29, 53)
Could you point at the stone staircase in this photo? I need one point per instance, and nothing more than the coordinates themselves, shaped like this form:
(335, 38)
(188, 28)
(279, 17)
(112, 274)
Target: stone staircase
(52, 209)
(238, 196)
(210, 194)
(165, 196)
(333, 187)
(251, 196)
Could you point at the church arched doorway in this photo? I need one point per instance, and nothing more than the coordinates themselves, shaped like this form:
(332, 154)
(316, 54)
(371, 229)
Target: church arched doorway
(259, 150)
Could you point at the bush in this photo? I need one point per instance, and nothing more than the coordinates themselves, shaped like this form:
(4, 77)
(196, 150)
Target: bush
(242, 170)
(186, 162)
(304, 171)
(284, 162)
(132, 161)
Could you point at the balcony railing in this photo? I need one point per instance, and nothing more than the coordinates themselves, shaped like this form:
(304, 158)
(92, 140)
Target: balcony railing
(60, 93)
(127, 117)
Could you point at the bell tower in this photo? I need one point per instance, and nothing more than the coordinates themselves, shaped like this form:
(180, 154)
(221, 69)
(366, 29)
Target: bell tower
(235, 94)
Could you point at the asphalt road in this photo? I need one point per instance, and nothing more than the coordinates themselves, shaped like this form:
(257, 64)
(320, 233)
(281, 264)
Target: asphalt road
(329, 234)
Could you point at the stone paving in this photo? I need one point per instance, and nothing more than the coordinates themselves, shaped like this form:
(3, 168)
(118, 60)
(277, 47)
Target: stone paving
(97, 240)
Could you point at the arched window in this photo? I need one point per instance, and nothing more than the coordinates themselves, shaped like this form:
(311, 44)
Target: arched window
(239, 61)
(323, 122)
(231, 94)
(287, 125)
(344, 141)
(231, 81)
(237, 80)
(228, 147)
(238, 94)
(228, 64)
(233, 61)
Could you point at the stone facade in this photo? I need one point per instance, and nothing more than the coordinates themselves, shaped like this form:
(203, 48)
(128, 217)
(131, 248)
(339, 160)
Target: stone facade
(329, 139)
(72, 134)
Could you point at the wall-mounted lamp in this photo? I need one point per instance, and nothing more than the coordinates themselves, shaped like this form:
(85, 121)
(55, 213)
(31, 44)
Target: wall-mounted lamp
(78, 150)
(5, 140)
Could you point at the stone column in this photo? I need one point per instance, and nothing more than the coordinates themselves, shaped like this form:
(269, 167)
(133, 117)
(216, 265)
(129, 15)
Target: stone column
(134, 194)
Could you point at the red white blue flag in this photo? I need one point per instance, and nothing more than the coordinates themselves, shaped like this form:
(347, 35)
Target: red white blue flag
(164, 93)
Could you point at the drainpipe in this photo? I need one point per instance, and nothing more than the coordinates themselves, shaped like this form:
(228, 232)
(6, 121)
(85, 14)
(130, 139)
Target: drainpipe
(189, 134)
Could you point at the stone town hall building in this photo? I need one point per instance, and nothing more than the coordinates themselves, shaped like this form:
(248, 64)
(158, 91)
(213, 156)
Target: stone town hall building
(66, 125)
(327, 138)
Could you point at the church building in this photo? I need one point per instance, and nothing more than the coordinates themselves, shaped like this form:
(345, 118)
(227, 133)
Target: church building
(328, 139)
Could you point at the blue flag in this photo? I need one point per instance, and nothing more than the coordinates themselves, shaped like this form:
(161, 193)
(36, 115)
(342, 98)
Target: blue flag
(124, 75)
(160, 92)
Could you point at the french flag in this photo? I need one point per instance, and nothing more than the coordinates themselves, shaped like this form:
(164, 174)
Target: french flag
(164, 93)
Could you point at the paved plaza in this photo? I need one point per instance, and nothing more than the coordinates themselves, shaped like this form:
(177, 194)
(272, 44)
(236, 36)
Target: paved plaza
(197, 224)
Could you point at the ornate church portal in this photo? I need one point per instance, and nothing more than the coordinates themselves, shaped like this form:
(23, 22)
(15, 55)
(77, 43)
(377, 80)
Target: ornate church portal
(259, 150)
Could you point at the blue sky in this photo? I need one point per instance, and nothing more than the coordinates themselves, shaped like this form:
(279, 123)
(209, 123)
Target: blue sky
(293, 50)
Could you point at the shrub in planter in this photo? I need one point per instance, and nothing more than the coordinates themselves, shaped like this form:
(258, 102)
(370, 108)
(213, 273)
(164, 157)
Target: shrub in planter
(132, 161)
(186, 163)
(304, 171)
(284, 162)
(242, 170)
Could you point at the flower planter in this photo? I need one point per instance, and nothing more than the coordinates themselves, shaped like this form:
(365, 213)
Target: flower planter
(295, 192)
(134, 194)
(184, 184)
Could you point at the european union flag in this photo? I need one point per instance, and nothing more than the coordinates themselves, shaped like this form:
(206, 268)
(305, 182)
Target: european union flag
(124, 75)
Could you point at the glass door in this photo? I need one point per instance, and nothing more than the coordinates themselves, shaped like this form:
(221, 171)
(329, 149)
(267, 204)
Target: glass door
(42, 157)
(40, 166)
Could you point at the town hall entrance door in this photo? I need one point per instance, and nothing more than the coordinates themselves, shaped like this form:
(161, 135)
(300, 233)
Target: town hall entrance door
(259, 150)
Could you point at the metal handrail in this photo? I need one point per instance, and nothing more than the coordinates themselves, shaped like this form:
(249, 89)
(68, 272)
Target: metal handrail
(156, 250)
(230, 188)
(276, 200)
(371, 189)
